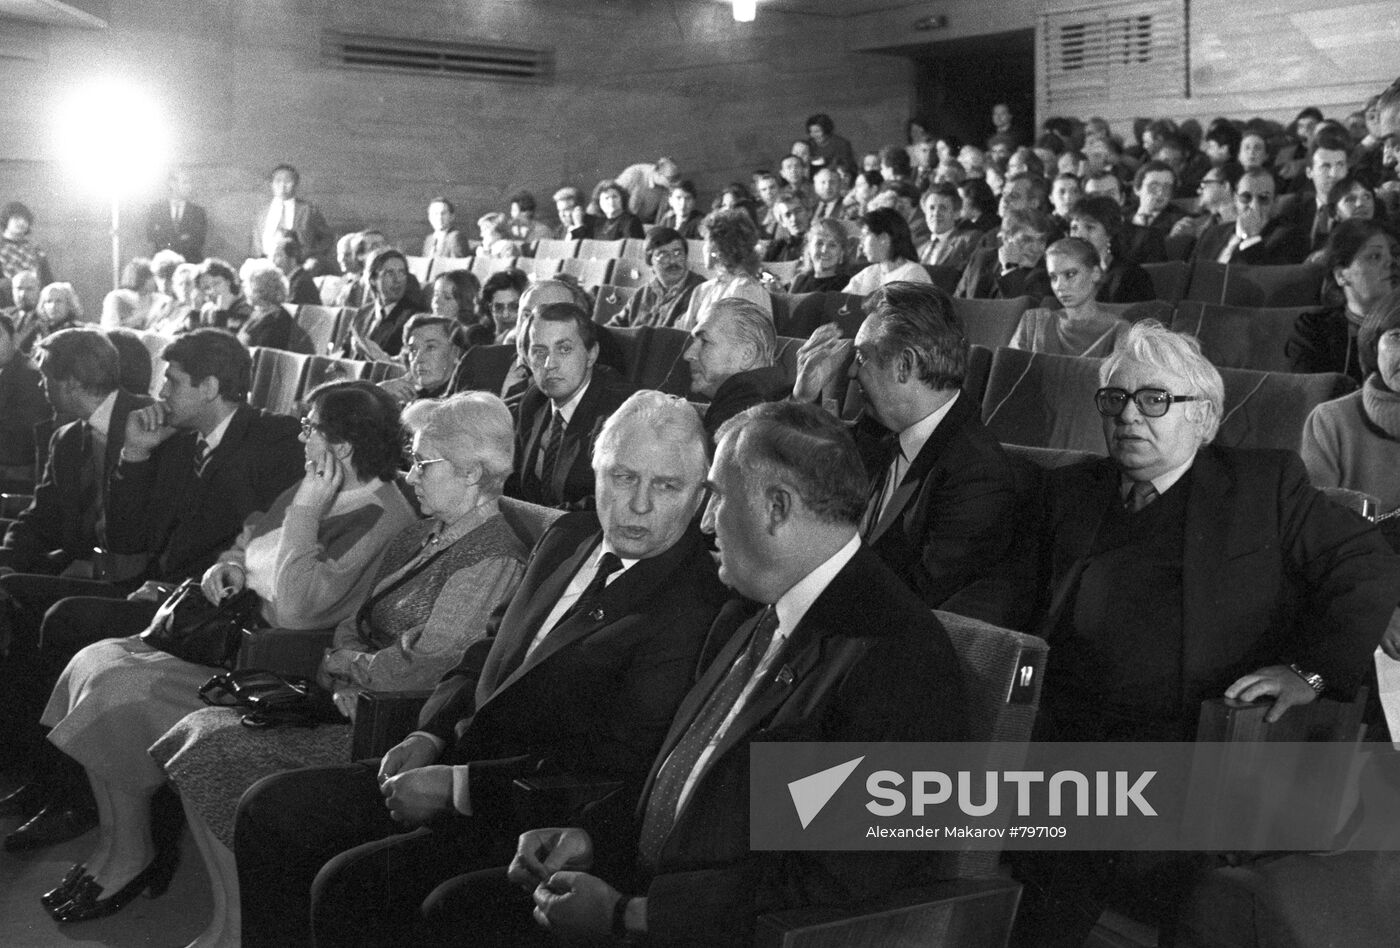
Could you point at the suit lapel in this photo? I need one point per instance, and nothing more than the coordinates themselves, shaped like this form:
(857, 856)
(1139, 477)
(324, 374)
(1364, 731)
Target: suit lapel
(1081, 509)
(923, 462)
(516, 640)
(1210, 524)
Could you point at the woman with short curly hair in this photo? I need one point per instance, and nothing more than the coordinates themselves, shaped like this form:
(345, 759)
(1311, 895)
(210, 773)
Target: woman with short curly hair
(731, 254)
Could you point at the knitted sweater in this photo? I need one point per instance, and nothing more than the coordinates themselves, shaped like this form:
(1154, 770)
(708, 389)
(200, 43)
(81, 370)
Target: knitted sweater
(1354, 442)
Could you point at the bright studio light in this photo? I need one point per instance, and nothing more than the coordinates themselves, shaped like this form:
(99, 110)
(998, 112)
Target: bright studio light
(112, 137)
(745, 10)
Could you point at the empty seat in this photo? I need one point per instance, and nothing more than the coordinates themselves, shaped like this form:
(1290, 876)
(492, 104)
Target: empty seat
(330, 286)
(1169, 280)
(558, 249)
(278, 379)
(1268, 409)
(540, 268)
(635, 249)
(420, 267)
(1043, 401)
(589, 273)
(695, 251)
(629, 273)
(1244, 285)
(979, 367)
(443, 265)
(599, 249)
(1239, 337)
(319, 322)
(611, 301)
(991, 323)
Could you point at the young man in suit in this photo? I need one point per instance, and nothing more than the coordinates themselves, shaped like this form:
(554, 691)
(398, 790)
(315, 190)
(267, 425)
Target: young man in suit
(580, 676)
(193, 466)
(563, 410)
(842, 651)
(445, 240)
(177, 223)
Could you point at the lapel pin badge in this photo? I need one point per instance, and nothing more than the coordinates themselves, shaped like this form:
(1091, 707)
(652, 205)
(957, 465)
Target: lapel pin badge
(596, 615)
(784, 676)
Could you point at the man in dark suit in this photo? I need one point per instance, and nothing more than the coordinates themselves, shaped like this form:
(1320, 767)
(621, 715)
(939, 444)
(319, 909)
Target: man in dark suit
(1306, 212)
(940, 509)
(731, 354)
(563, 409)
(286, 211)
(1016, 266)
(1155, 185)
(192, 468)
(580, 676)
(1255, 236)
(1173, 571)
(843, 652)
(177, 223)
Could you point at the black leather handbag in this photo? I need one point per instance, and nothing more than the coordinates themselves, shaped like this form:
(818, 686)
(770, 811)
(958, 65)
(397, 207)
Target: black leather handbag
(271, 700)
(189, 626)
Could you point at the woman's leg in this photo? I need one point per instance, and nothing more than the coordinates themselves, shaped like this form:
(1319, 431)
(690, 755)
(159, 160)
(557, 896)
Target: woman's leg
(126, 830)
(105, 818)
(222, 931)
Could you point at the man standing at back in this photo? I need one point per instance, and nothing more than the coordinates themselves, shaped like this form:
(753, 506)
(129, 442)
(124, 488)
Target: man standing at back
(940, 509)
(177, 223)
(563, 409)
(286, 211)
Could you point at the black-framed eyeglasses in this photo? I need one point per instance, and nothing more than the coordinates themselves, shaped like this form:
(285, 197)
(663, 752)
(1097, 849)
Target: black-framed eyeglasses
(1152, 402)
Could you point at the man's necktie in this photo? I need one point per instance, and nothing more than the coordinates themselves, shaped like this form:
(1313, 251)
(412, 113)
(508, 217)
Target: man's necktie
(1322, 223)
(883, 490)
(549, 451)
(609, 563)
(1230, 248)
(201, 455)
(671, 778)
(1140, 494)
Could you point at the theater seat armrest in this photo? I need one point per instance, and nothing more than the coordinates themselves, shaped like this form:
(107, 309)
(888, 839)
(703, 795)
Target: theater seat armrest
(382, 719)
(285, 651)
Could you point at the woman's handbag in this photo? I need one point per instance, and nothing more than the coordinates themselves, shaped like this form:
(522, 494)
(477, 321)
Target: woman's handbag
(188, 626)
(271, 700)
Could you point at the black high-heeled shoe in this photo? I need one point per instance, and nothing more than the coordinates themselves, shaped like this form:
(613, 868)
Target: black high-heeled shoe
(86, 904)
(63, 892)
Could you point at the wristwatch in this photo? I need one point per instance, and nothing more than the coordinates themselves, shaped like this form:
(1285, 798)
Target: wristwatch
(1313, 679)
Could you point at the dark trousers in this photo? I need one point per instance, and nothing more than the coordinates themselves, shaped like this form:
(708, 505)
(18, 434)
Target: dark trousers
(375, 876)
(482, 909)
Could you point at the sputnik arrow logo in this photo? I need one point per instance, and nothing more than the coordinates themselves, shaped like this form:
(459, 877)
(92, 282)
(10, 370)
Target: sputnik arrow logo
(812, 792)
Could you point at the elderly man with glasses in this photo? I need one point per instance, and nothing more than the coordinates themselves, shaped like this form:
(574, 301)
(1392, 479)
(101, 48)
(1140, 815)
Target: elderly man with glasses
(1175, 570)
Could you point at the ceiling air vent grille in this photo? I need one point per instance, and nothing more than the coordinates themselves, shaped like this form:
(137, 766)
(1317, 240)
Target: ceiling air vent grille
(461, 60)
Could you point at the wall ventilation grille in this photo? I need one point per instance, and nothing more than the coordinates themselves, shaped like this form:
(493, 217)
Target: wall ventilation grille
(462, 60)
(1126, 50)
